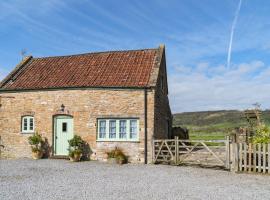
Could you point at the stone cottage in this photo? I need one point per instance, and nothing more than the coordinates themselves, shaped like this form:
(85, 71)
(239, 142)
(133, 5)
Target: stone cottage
(111, 99)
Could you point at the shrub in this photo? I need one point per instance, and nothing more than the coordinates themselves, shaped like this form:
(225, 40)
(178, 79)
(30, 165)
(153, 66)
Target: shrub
(36, 142)
(118, 154)
(262, 134)
(76, 142)
(75, 146)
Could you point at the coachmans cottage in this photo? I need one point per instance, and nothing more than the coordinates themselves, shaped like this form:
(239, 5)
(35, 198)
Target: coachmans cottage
(111, 99)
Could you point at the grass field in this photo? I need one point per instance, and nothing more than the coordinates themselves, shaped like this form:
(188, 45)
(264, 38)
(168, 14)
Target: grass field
(213, 125)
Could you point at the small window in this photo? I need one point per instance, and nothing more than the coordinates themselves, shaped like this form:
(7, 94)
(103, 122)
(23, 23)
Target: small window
(64, 127)
(118, 130)
(28, 125)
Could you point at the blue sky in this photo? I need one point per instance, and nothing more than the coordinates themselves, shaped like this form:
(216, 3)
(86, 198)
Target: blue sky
(196, 34)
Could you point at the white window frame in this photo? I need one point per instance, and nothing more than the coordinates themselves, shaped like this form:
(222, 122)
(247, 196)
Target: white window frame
(27, 128)
(117, 138)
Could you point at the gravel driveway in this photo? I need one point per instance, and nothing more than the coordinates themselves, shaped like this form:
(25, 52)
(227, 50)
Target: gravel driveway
(60, 179)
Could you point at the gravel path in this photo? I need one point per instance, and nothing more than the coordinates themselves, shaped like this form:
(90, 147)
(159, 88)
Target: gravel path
(60, 179)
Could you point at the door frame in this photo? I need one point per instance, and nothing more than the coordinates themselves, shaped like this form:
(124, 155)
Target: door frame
(54, 117)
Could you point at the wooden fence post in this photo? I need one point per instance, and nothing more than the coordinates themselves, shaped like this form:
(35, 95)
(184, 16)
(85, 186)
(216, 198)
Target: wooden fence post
(176, 156)
(232, 156)
(235, 157)
(245, 157)
(153, 150)
(264, 158)
(259, 157)
(254, 158)
(227, 146)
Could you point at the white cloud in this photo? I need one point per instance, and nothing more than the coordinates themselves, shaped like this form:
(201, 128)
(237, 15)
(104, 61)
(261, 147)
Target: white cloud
(203, 66)
(236, 88)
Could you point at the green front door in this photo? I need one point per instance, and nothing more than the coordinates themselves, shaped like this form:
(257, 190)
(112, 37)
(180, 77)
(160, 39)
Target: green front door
(63, 126)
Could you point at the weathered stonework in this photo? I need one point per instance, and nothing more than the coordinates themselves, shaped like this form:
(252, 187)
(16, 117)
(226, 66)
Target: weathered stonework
(85, 106)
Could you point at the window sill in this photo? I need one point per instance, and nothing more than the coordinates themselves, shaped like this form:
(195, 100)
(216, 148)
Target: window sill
(104, 140)
(27, 133)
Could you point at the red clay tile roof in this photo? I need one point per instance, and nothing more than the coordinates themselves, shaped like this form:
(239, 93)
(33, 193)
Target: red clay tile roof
(105, 69)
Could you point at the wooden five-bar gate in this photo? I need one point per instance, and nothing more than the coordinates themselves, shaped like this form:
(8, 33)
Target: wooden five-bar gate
(202, 152)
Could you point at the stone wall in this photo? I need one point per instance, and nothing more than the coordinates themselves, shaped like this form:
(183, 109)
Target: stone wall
(163, 115)
(85, 106)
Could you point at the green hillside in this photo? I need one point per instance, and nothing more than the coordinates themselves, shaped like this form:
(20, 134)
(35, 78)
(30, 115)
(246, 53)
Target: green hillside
(213, 125)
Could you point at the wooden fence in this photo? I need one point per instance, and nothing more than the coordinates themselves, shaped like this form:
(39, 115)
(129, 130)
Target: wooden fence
(251, 157)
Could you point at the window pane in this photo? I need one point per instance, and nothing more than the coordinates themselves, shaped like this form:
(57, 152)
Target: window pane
(123, 129)
(64, 127)
(112, 129)
(133, 129)
(31, 124)
(102, 129)
(25, 124)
